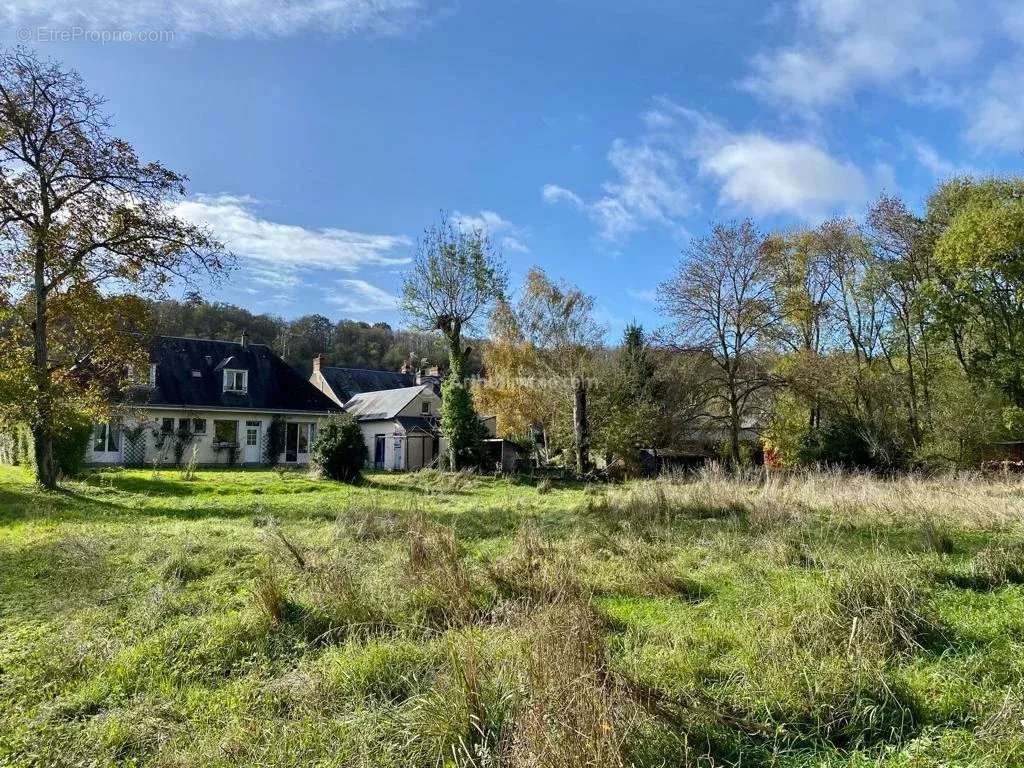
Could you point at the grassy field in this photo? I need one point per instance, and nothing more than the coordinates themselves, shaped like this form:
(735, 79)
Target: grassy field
(263, 618)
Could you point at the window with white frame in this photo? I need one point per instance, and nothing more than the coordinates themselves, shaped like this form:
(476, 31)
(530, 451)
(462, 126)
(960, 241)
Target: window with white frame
(106, 439)
(236, 380)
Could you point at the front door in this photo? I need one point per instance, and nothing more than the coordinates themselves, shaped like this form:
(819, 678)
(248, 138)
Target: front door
(252, 442)
(379, 443)
(398, 454)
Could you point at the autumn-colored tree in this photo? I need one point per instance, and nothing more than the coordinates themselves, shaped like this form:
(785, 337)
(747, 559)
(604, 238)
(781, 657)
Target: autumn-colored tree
(511, 366)
(558, 320)
(84, 224)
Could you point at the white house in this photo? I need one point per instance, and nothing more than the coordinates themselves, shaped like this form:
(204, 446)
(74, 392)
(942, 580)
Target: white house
(216, 399)
(399, 426)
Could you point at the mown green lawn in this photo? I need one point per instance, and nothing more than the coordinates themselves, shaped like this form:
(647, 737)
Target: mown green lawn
(265, 618)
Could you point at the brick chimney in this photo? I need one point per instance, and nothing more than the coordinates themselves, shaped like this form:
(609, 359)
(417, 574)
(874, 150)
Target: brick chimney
(316, 364)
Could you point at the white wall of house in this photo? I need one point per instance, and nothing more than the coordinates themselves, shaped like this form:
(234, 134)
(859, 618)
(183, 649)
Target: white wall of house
(249, 429)
(401, 451)
(426, 405)
(392, 433)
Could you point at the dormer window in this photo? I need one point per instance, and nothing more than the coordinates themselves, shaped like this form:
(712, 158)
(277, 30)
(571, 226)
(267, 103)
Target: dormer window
(425, 408)
(236, 380)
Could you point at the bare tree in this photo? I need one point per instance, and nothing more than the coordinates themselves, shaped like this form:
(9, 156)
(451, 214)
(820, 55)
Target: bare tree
(902, 259)
(558, 319)
(721, 302)
(81, 219)
(455, 279)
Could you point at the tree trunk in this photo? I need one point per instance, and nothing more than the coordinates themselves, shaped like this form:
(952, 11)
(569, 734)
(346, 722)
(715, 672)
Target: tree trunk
(456, 374)
(579, 422)
(734, 432)
(46, 466)
(42, 427)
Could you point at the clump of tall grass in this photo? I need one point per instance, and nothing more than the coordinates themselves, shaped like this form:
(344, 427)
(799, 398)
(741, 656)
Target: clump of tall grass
(999, 564)
(573, 714)
(1001, 734)
(181, 567)
(436, 481)
(659, 577)
(461, 718)
(533, 571)
(936, 538)
(876, 610)
(444, 591)
(188, 470)
(270, 597)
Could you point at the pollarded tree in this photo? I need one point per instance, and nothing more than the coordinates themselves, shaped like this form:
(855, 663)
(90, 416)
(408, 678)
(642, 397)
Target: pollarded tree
(721, 301)
(83, 225)
(558, 319)
(456, 277)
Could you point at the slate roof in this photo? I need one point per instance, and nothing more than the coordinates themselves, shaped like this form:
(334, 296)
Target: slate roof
(273, 385)
(417, 423)
(385, 404)
(349, 382)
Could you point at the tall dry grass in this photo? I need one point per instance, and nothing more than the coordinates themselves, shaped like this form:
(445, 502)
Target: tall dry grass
(764, 498)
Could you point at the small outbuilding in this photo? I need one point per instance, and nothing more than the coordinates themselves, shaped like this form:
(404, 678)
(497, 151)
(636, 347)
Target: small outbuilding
(399, 426)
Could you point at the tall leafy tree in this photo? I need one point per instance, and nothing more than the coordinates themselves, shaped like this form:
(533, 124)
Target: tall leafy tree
(558, 319)
(978, 290)
(456, 277)
(721, 303)
(83, 224)
(511, 365)
(630, 402)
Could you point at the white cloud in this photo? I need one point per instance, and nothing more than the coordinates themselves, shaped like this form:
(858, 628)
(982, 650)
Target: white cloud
(845, 45)
(553, 194)
(936, 53)
(359, 297)
(514, 244)
(659, 174)
(768, 176)
(214, 18)
(648, 188)
(278, 249)
(485, 221)
(995, 119)
(503, 231)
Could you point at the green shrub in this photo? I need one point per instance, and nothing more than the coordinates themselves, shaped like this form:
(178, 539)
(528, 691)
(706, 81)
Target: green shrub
(339, 451)
(69, 447)
(274, 444)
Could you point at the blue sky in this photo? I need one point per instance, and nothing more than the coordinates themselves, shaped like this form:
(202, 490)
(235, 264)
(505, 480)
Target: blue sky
(591, 138)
